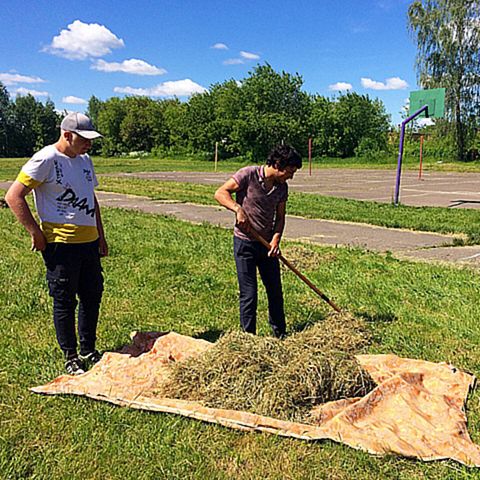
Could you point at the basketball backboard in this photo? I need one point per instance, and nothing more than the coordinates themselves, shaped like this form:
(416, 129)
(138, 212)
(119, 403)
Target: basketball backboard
(434, 98)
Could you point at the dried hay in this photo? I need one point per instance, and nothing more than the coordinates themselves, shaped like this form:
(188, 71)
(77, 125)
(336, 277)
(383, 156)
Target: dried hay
(283, 379)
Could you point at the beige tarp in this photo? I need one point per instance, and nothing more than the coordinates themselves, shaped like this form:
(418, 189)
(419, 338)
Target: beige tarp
(417, 409)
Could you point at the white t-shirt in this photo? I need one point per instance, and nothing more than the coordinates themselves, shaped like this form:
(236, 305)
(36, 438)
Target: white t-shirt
(63, 190)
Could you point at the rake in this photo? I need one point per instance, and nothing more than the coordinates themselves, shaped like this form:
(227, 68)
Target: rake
(299, 274)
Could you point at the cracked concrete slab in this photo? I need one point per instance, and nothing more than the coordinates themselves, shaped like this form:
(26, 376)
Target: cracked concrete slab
(467, 255)
(325, 232)
(437, 189)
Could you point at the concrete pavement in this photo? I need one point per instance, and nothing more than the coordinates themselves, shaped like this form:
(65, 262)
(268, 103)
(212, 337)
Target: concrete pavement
(435, 189)
(402, 243)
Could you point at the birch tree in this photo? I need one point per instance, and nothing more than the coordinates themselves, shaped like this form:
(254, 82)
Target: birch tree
(447, 34)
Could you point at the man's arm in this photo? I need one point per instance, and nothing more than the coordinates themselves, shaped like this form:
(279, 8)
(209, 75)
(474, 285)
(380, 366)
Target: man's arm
(278, 229)
(17, 202)
(102, 242)
(224, 197)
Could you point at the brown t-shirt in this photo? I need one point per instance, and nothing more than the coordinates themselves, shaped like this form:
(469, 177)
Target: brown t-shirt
(259, 203)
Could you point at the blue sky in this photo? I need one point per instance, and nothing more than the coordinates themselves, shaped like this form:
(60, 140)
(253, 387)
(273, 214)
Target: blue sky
(68, 51)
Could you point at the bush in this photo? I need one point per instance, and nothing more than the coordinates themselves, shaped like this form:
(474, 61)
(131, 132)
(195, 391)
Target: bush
(368, 147)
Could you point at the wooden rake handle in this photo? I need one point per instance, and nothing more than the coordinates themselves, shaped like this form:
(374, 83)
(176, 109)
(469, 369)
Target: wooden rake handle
(299, 274)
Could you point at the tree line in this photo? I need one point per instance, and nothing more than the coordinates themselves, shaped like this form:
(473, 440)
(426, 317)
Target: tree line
(245, 118)
(26, 124)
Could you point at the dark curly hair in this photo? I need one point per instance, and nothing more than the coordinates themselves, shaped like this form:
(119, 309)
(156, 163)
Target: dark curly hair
(284, 156)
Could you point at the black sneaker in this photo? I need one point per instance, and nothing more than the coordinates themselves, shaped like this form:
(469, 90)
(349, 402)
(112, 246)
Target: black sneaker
(91, 358)
(74, 366)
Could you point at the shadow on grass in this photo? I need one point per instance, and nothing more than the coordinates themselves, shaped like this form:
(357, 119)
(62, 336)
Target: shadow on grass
(211, 335)
(369, 317)
(315, 317)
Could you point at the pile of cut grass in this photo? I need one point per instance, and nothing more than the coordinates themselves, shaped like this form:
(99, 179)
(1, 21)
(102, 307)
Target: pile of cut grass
(282, 379)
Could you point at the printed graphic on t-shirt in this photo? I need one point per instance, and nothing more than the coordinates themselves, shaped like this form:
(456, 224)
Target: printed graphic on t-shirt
(58, 172)
(69, 197)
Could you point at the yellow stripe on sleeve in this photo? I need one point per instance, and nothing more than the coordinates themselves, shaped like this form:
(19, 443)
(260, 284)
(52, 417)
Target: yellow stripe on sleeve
(27, 180)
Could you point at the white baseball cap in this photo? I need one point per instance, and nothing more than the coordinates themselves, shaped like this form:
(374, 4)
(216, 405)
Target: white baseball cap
(80, 124)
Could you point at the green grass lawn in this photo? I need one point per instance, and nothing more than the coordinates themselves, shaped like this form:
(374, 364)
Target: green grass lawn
(430, 219)
(164, 275)
(9, 167)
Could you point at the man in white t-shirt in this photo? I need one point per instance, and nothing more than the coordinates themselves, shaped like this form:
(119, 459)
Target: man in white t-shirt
(70, 235)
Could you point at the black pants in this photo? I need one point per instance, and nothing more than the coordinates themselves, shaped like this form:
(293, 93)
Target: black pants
(248, 257)
(74, 270)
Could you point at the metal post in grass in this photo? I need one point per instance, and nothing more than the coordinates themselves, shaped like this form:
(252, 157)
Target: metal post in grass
(216, 155)
(432, 102)
(400, 149)
(421, 158)
(310, 156)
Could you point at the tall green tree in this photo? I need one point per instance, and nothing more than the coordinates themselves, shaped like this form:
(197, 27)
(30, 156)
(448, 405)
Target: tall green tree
(174, 114)
(447, 33)
(49, 121)
(275, 109)
(93, 110)
(362, 123)
(350, 125)
(323, 126)
(5, 121)
(199, 122)
(109, 123)
(143, 126)
(27, 133)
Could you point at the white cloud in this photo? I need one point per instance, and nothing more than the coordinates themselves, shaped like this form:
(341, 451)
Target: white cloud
(393, 83)
(249, 56)
(425, 122)
(233, 61)
(15, 78)
(219, 46)
(340, 86)
(239, 61)
(133, 65)
(27, 91)
(84, 40)
(178, 88)
(74, 100)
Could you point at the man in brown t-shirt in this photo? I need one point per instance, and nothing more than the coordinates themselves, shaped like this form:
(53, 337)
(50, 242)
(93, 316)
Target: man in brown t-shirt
(261, 195)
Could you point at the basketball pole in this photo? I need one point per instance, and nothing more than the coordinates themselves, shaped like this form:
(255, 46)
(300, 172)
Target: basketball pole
(400, 150)
(310, 156)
